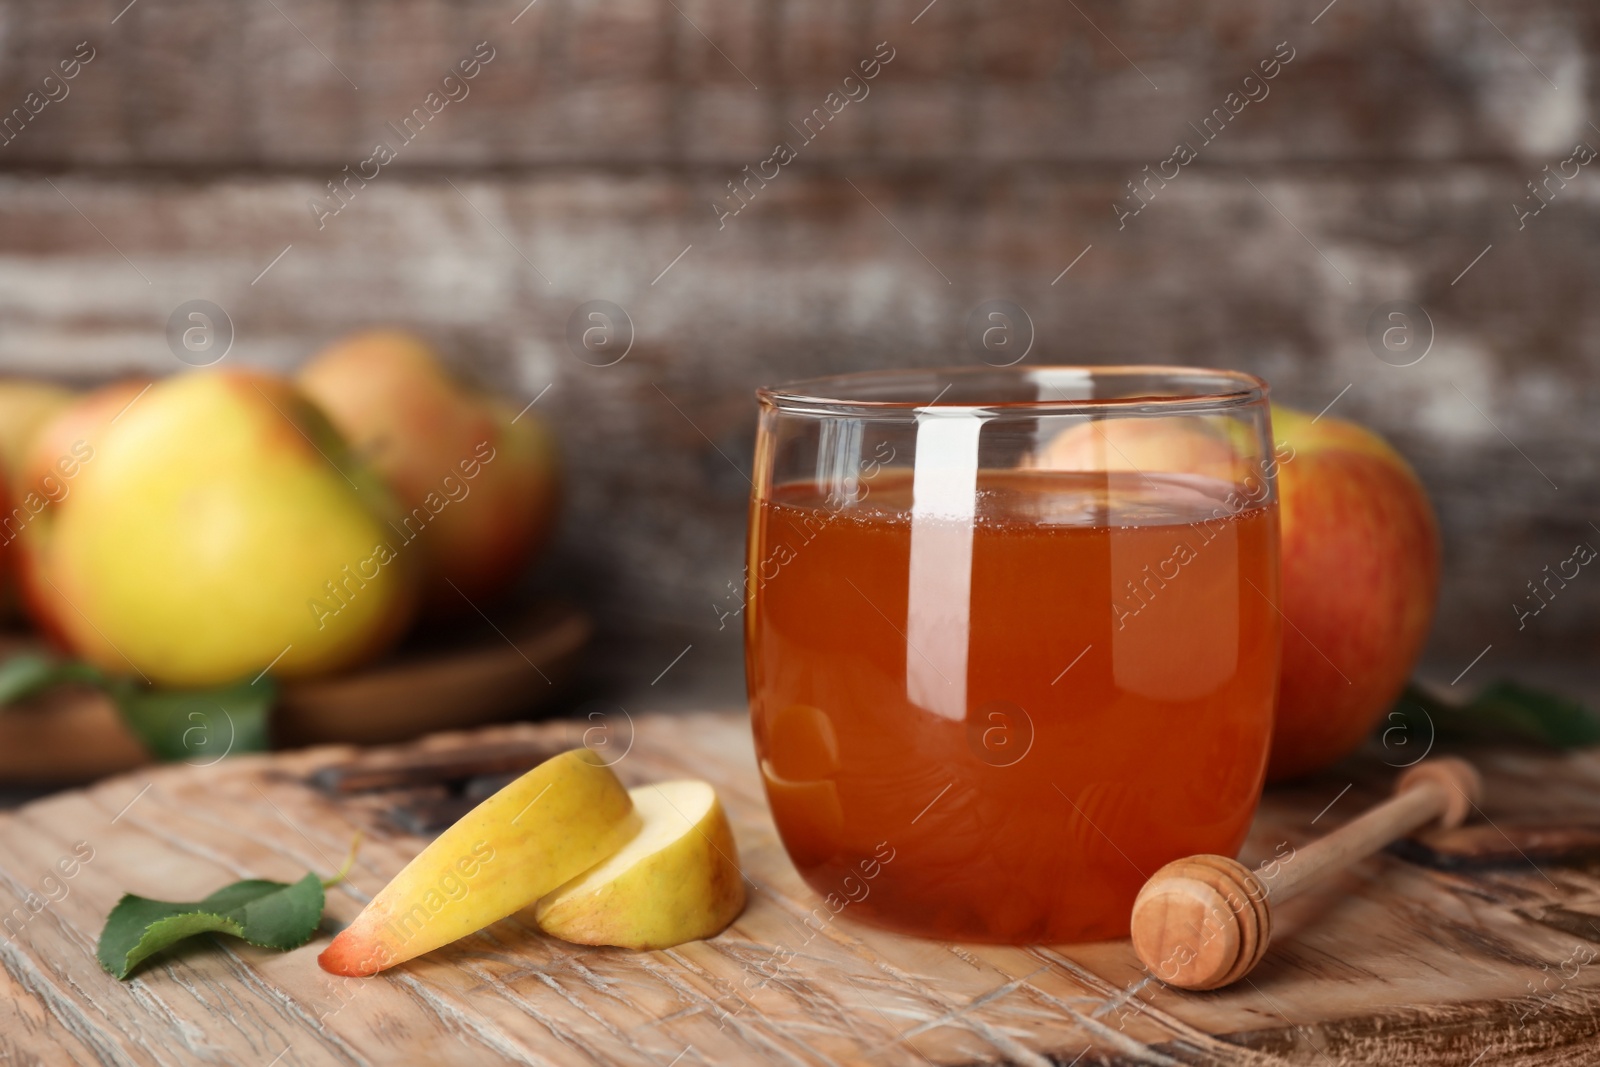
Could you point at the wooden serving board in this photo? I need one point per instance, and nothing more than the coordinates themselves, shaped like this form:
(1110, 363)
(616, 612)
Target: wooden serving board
(1394, 963)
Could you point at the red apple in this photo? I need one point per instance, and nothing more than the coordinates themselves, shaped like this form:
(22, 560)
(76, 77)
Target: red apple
(25, 406)
(475, 478)
(1360, 581)
(1175, 444)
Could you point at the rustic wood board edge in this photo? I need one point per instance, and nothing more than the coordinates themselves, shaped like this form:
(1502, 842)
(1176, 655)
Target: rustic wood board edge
(509, 996)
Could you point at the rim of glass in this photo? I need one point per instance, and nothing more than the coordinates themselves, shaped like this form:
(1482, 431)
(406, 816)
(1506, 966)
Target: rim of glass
(830, 394)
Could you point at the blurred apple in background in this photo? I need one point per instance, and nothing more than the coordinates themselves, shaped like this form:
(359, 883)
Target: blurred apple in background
(476, 480)
(1360, 562)
(1360, 581)
(222, 526)
(50, 463)
(25, 407)
(1182, 444)
(10, 594)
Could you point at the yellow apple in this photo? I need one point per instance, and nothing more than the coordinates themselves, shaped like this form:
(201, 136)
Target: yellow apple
(561, 818)
(221, 528)
(1360, 579)
(476, 478)
(678, 879)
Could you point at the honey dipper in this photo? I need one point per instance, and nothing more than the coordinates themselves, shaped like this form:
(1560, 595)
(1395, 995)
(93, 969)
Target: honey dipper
(1203, 922)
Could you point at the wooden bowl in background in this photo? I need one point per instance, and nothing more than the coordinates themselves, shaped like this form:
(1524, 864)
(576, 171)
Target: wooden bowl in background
(75, 733)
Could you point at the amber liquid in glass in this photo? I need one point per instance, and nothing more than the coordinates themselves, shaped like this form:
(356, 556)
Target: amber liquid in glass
(996, 728)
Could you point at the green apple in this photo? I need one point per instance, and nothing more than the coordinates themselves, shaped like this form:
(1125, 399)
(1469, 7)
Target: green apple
(222, 527)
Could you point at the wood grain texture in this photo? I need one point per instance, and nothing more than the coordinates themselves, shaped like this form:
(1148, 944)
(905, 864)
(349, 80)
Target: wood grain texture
(1391, 964)
(1201, 922)
(627, 82)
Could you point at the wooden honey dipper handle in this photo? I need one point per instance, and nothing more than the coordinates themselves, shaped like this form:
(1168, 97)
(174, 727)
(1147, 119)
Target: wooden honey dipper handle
(1204, 921)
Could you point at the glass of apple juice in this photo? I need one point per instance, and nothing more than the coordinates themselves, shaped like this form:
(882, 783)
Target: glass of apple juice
(1011, 637)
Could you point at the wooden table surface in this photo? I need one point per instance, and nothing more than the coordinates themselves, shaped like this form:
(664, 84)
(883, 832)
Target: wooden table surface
(1392, 963)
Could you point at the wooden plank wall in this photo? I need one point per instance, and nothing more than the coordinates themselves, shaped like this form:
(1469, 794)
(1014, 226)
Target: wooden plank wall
(1383, 161)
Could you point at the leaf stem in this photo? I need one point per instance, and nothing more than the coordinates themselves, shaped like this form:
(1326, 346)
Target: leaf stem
(349, 861)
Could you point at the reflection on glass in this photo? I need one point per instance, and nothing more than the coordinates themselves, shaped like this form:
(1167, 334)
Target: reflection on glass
(1031, 655)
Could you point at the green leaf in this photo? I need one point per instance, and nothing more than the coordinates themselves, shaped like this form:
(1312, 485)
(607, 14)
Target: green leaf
(1536, 715)
(1501, 711)
(276, 915)
(198, 725)
(28, 673)
(138, 928)
(195, 725)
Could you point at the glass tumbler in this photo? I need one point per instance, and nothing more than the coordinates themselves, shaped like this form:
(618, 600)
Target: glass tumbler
(1011, 637)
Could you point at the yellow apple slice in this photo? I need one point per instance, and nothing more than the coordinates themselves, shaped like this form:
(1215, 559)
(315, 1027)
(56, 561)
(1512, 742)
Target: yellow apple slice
(550, 825)
(678, 880)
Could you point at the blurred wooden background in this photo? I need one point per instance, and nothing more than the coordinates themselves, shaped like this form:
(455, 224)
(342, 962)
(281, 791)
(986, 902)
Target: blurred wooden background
(1382, 165)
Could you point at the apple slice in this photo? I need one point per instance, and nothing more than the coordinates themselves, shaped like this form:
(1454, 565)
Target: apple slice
(553, 823)
(678, 879)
